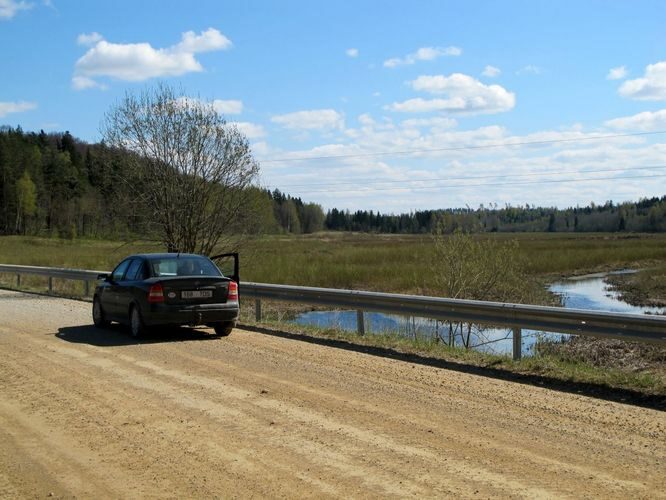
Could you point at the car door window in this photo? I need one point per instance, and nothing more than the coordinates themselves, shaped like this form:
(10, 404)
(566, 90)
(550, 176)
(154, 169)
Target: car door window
(119, 271)
(135, 271)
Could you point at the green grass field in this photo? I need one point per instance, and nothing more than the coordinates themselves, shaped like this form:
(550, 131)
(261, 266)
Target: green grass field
(390, 263)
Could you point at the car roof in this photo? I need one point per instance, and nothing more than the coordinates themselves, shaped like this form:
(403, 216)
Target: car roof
(154, 256)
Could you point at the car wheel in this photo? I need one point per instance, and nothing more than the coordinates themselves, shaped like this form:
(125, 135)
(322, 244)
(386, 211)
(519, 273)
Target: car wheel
(223, 329)
(137, 328)
(99, 319)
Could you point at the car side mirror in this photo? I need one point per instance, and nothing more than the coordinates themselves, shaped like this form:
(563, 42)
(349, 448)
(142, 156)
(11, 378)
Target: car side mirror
(104, 277)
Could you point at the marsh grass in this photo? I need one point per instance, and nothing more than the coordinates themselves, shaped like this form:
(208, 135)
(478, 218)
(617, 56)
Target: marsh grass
(644, 288)
(389, 263)
(399, 263)
(75, 254)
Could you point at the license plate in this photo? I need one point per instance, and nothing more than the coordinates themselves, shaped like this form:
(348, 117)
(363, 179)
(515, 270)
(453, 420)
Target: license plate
(197, 294)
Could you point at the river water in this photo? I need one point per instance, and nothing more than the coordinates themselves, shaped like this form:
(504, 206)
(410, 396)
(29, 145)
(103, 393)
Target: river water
(586, 292)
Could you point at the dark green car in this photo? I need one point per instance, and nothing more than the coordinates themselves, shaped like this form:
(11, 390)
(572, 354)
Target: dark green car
(149, 290)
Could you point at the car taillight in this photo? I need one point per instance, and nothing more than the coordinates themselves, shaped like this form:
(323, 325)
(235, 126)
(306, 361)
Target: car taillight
(233, 291)
(156, 294)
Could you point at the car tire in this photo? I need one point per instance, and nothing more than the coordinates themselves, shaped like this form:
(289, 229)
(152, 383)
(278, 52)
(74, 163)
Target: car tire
(99, 319)
(137, 328)
(223, 329)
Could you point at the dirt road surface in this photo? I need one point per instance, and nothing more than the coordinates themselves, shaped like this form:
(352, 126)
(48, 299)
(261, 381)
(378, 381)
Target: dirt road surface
(89, 413)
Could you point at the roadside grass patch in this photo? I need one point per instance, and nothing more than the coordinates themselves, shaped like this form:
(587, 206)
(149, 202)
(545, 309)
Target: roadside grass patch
(650, 382)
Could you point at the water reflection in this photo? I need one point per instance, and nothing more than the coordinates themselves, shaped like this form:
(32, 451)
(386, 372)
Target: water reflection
(594, 294)
(591, 293)
(495, 340)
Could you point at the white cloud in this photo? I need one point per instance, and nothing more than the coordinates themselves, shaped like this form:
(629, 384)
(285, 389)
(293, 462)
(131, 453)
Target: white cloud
(136, 62)
(617, 73)
(652, 87)
(422, 54)
(230, 107)
(646, 121)
(420, 105)
(465, 95)
(83, 82)
(15, 107)
(491, 71)
(366, 119)
(435, 123)
(88, 39)
(251, 130)
(207, 41)
(530, 69)
(352, 52)
(447, 176)
(315, 119)
(9, 8)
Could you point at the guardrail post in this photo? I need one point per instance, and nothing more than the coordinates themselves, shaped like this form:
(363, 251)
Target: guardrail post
(18, 281)
(517, 344)
(86, 288)
(50, 284)
(257, 310)
(360, 322)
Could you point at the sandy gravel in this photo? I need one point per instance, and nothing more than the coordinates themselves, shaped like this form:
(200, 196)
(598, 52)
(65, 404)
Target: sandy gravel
(86, 413)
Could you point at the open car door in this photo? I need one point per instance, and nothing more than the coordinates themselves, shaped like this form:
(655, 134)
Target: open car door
(228, 264)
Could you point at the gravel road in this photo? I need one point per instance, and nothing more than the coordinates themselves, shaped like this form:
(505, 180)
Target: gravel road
(92, 413)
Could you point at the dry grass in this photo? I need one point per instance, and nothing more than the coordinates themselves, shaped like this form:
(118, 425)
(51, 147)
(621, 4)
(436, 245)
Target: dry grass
(644, 288)
(390, 263)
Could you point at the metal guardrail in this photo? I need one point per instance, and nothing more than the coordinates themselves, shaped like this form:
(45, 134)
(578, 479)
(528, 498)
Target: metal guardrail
(86, 276)
(632, 327)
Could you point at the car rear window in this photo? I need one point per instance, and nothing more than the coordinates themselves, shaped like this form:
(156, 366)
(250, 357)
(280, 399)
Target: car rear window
(183, 266)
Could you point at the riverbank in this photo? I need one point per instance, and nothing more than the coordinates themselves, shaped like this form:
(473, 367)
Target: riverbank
(645, 288)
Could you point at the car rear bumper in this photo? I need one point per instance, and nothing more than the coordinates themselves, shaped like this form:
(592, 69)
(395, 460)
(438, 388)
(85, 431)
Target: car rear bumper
(163, 314)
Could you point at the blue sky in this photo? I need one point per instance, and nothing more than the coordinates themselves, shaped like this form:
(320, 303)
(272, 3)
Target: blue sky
(349, 80)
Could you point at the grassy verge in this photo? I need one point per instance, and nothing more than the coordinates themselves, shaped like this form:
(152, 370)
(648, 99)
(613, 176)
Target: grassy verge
(39, 284)
(557, 368)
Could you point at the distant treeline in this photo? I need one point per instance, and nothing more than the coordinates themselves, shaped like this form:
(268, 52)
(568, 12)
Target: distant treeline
(54, 184)
(646, 215)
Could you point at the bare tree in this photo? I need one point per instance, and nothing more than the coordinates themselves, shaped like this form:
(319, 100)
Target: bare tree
(467, 266)
(190, 170)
